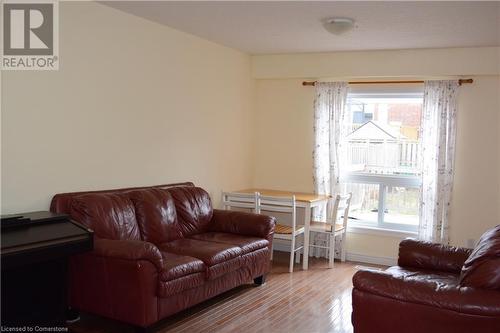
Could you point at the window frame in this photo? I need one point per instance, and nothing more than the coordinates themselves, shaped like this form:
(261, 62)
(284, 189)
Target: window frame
(384, 181)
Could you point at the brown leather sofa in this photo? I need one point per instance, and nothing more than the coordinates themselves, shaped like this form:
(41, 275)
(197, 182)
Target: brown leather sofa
(434, 288)
(161, 249)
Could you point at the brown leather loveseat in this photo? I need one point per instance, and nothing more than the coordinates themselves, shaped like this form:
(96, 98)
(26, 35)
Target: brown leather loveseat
(434, 288)
(161, 249)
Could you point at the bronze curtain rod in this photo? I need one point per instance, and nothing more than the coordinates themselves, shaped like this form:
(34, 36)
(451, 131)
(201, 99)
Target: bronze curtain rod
(313, 83)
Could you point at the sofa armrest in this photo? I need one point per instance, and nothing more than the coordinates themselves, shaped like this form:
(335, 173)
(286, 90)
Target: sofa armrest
(129, 250)
(427, 255)
(120, 289)
(242, 223)
(428, 292)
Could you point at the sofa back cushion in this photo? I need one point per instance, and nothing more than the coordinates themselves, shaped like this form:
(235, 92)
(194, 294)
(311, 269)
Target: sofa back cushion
(111, 216)
(482, 268)
(61, 202)
(194, 209)
(156, 215)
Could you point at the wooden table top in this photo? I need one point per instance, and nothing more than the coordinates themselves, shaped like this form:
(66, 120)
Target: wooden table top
(299, 196)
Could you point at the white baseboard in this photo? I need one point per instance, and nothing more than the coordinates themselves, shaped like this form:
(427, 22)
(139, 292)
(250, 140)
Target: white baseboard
(386, 261)
(357, 257)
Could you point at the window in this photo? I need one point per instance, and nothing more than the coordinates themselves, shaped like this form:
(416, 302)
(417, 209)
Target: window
(382, 163)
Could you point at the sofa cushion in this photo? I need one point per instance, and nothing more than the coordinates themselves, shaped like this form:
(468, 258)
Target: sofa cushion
(169, 288)
(218, 258)
(156, 216)
(223, 268)
(211, 253)
(176, 266)
(428, 275)
(180, 273)
(432, 288)
(482, 268)
(61, 202)
(427, 255)
(256, 262)
(111, 216)
(194, 209)
(246, 243)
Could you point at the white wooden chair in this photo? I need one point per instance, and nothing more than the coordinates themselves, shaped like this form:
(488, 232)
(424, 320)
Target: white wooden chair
(335, 225)
(232, 200)
(281, 231)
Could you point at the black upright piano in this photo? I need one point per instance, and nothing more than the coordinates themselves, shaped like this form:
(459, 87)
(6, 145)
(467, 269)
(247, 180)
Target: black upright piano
(35, 250)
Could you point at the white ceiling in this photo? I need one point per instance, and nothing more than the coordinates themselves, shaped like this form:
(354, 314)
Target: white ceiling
(291, 27)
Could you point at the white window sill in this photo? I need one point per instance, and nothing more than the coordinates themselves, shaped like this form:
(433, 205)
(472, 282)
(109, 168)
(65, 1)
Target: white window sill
(368, 230)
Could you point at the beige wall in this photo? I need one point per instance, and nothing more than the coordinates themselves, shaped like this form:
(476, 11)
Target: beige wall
(386, 63)
(283, 157)
(476, 194)
(133, 103)
(284, 135)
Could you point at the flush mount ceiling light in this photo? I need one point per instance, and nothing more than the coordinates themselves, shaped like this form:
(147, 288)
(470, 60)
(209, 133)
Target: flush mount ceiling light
(338, 25)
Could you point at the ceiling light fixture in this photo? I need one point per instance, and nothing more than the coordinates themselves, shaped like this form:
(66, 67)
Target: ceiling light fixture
(338, 25)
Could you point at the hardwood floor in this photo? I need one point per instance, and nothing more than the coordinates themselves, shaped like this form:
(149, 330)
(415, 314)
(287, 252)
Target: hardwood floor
(317, 300)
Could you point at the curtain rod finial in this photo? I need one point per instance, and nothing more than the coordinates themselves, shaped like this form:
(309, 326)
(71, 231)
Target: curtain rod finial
(462, 81)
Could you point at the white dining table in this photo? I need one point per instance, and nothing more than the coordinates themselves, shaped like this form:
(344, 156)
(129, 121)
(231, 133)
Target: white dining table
(308, 201)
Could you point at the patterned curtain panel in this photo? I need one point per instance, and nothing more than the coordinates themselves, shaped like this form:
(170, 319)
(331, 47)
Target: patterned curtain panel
(438, 132)
(329, 113)
(329, 127)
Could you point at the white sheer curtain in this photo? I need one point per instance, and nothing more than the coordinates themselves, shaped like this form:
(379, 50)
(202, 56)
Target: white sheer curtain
(329, 127)
(438, 132)
(329, 112)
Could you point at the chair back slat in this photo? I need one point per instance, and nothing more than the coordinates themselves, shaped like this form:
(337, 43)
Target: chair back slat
(279, 205)
(273, 208)
(338, 210)
(240, 200)
(345, 214)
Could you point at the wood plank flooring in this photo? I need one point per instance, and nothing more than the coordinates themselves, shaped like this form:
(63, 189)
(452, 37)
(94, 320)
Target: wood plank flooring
(317, 300)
